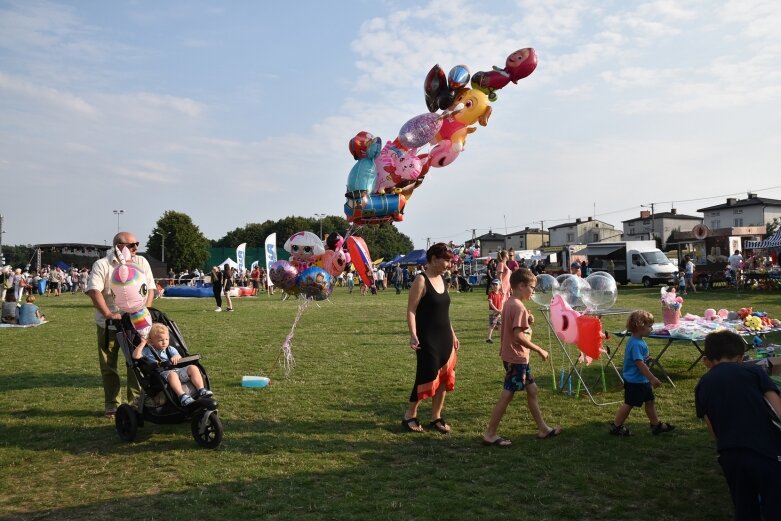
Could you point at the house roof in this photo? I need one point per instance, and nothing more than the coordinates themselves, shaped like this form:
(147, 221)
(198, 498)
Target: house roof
(576, 223)
(752, 200)
(72, 245)
(527, 231)
(665, 215)
(490, 236)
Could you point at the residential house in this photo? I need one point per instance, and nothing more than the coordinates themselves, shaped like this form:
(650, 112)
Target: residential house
(738, 213)
(527, 239)
(583, 232)
(658, 225)
(489, 242)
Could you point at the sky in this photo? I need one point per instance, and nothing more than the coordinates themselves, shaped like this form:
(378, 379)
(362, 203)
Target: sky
(240, 112)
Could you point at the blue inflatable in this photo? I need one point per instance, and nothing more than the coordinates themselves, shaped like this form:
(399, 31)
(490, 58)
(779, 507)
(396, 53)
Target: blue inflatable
(188, 291)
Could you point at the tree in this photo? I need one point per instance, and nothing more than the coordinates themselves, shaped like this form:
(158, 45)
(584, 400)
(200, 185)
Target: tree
(185, 245)
(772, 226)
(18, 256)
(385, 241)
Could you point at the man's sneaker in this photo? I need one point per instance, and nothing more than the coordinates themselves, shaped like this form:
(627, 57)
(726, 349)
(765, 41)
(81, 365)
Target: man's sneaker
(205, 393)
(186, 400)
(218, 310)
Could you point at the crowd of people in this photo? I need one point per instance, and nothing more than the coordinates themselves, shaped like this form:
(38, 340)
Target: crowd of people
(21, 286)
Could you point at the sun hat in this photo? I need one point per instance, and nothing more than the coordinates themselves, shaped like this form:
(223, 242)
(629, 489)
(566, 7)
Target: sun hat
(495, 281)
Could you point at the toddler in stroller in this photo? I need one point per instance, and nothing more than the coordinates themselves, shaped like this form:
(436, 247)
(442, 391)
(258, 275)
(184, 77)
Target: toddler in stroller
(174, 385)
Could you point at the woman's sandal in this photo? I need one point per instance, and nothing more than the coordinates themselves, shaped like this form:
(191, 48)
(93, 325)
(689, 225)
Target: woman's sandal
(440, 425)
(662, 427)
(498, 442)
(411, 425)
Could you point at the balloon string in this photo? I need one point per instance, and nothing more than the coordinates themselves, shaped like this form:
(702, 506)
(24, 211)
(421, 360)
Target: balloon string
(287, 361)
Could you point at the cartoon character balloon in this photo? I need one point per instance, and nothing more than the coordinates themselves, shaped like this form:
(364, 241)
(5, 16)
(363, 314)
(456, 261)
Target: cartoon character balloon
(395, 167)
(470, 106)
(363, 173)
(305, 248)
(128, 285)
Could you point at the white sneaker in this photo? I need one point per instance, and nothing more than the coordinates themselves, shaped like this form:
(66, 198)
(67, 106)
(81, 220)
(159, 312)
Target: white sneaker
(218, 310)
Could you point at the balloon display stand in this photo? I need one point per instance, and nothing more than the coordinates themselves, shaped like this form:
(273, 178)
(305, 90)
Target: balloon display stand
(572, 380)
(254, 381)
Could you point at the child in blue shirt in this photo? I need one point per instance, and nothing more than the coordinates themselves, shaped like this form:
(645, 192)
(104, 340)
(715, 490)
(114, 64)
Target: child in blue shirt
(158, 339)
(639, 381)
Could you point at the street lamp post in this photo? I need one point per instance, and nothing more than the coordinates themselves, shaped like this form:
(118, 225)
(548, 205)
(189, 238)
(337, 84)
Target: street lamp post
(118, 213)
(320, 217)
(162, 250)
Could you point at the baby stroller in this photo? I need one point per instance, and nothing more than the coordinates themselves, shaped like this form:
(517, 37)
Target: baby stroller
(464, 285)
(158, 403)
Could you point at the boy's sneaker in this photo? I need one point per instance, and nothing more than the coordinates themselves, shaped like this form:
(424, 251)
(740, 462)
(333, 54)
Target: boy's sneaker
(661, 428)
(186, 400)
(619, 430)
(488, 340)
(218, 310)
(205, 393)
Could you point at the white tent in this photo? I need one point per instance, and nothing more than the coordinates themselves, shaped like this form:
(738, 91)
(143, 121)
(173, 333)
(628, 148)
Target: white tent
(232, 263)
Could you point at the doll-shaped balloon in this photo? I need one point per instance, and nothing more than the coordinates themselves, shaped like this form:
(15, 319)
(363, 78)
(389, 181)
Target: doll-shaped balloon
(395, 168)
(518, 65)
(585, 331)
(470, 106)
(335, 258)
(365, 148)
(305, 248)
(130, 291)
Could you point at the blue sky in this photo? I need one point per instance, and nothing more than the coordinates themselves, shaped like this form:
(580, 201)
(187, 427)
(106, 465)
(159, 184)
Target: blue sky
(237, 112)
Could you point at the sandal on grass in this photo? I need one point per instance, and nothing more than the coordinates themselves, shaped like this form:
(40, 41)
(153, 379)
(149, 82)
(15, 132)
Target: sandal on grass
(662, 427)
(498, 442)
(619, 430)
(411, 425)
(440, 425)
(555, 431)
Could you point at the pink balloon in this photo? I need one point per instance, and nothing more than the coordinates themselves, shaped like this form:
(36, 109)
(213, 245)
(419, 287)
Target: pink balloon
(129, 287)
(420, 130)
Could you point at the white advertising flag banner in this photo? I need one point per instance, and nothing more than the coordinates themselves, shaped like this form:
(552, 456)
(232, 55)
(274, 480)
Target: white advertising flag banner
(271, 253)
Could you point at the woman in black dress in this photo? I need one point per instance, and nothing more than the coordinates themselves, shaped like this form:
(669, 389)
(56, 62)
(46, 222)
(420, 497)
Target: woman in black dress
(433, 339)
(217, 287)
(227, 284)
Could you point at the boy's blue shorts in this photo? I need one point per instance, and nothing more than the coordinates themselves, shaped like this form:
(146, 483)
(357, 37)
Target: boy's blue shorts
(517, 376)
(637, 394)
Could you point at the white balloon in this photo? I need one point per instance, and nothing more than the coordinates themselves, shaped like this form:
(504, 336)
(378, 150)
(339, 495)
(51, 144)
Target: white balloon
(547, 287)
(572, 289)
(602, 292)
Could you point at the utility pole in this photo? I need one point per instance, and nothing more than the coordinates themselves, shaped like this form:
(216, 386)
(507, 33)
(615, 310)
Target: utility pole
(162, 253)
(2, 257)
(118, 213)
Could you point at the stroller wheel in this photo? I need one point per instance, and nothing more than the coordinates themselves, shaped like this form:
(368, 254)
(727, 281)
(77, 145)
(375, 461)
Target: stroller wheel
(126, 421)
(207, 429)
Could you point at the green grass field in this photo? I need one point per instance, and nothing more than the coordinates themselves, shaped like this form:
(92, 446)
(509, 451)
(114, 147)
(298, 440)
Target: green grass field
(326, 443)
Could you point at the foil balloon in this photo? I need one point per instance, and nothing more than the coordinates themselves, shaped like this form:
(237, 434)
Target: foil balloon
(359, 145)
(334, 261)
(458, 77)
(361, 259)
(470, 106)
(283, 275)
(420, 130)
(564, 319)
(602, 292)
(521, 63)
(315, 283)
(438, 94)
(395, 167)
(304, 248)
(129, 287)
(547, 287)
(363, 173)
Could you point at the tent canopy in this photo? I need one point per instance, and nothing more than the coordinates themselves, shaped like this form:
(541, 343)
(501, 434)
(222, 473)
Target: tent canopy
(774, 241)
(391, 262)
(232, 263)
(414, 257)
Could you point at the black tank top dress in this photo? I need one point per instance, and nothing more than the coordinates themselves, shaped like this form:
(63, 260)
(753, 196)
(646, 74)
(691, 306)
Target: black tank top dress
(436, 358)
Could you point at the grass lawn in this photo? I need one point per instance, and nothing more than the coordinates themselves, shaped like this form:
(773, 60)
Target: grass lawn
(326, 443)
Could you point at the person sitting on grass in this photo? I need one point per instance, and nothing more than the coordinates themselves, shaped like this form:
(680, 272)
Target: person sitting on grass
(159, 350)
(29, 314)
(515, 351)
(639, 381)
(733, 399)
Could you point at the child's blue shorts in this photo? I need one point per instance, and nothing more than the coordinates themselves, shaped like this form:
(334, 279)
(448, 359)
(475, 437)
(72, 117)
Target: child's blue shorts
(517, 376)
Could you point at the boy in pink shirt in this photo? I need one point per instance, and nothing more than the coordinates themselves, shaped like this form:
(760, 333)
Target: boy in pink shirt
(516, 347)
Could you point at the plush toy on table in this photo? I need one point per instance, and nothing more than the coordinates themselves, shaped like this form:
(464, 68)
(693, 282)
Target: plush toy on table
(130, 291)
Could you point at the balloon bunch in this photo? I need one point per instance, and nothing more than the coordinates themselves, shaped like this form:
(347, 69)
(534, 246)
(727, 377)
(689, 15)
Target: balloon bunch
(468, 254)
(597, 292)
(384, 177)
(312, 266)
(130, 291)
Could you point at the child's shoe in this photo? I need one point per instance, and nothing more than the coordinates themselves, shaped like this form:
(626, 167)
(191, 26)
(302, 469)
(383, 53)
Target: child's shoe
(186, 400)
(489, 341)
(619, 430)
(662, 427)
(204, 393)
